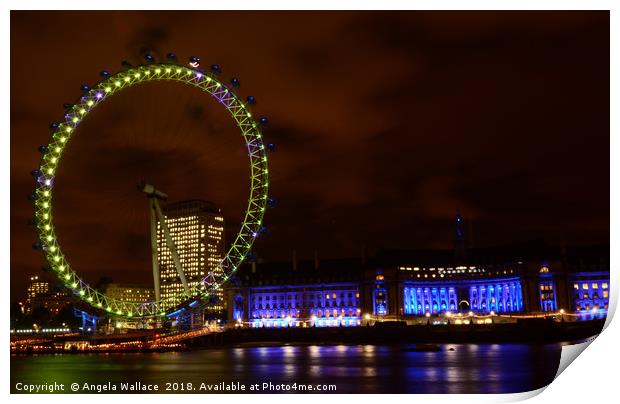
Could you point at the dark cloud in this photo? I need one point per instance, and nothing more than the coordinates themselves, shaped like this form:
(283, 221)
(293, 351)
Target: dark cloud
(386, 124)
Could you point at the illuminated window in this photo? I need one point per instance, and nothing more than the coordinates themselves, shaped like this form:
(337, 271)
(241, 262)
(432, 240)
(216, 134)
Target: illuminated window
(584, 286)
(576, 286)
(605, 294)
(605, 286)
(595, 286)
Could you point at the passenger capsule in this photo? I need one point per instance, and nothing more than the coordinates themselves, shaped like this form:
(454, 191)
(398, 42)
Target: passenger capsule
(194, 61)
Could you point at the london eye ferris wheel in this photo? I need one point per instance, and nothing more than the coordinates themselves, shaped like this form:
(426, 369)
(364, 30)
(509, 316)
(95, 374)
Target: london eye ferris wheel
(250, 128)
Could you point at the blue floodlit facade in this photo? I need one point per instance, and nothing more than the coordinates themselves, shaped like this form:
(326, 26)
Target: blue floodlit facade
(502, 295)
(380, 301)
(405, 284)
(590, 293)
(421, 299)
(324, 305)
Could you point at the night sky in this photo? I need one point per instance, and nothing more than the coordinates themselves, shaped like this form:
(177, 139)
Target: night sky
(386, 123)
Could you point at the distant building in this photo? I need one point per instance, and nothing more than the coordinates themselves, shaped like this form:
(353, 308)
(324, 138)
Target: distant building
(197, 230)
(303, 294)
(40, 295)
(129, 293)
(588, 280)
(36, 288)
(52, 302)
(408, 284)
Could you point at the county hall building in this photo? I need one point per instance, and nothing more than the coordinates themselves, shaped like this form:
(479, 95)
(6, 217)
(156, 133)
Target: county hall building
(406, 285)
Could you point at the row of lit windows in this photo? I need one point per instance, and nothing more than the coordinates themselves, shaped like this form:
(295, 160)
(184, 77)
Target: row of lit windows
(304, 296)
(296, 313)
(293, 304)
(442, 275)
(459, 269)
(453, 271)
(178, 234)
(585, 286)
(170, 271)
(278, 323)
(182, 219)
(594, 295)
(587, 306)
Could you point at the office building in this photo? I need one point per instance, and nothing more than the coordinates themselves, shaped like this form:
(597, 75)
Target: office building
(197, 230)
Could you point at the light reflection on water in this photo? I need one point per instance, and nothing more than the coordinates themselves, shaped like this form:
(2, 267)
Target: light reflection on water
(455, 368)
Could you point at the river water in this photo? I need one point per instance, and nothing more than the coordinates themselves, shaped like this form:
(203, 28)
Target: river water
(455, 368)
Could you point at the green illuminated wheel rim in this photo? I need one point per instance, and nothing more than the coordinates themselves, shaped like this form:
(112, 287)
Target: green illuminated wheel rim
(52, 156)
